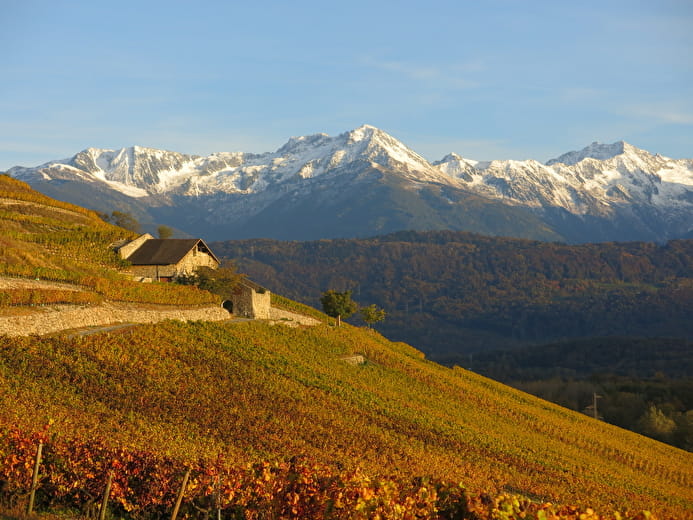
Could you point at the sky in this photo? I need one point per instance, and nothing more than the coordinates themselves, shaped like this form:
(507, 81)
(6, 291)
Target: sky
(498, 79)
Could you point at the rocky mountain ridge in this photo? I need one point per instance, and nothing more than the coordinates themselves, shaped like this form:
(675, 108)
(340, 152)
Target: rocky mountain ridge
(602, 192)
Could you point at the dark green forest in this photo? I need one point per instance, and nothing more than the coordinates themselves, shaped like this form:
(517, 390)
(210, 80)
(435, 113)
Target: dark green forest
(520, 311)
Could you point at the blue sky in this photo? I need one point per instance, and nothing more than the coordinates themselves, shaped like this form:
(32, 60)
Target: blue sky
(497, 79)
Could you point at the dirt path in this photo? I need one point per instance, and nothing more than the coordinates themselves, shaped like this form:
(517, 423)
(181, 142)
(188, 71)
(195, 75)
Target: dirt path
(27, 283)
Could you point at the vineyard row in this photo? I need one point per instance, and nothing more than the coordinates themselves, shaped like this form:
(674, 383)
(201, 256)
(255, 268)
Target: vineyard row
(93, 478)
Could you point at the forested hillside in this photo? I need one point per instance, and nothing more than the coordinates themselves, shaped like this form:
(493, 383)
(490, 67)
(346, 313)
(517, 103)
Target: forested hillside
(452, 294)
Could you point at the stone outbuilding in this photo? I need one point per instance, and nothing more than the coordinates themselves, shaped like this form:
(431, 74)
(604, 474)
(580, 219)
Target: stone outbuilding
(165, 259)
(250, 300)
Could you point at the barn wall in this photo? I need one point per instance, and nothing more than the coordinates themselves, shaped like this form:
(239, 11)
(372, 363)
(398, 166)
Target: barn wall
(131, 247)
(152, 272)
(195, 259)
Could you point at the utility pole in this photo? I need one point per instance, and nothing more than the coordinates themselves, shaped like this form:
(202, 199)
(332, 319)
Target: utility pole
(595, 396)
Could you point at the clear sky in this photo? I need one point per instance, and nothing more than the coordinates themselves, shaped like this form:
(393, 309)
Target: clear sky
(492, 79)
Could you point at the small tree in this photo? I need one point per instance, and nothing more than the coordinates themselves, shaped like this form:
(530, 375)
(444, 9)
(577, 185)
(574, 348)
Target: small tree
(221, 281)
(125, 220)
(338, 304)
(656, 424)
(164, 232)
(372, 314)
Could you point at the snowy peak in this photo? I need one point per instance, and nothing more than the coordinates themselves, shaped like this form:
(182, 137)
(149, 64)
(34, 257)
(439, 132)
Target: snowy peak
(126, 162)
(598, 151)
(138, 167)
(139, 171)
(449, 158)
(297, 144)
(457, 167)
(383, 149)
(318, 154)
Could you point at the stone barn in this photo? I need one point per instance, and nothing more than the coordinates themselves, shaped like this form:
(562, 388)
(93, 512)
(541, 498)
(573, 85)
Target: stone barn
(165, 259)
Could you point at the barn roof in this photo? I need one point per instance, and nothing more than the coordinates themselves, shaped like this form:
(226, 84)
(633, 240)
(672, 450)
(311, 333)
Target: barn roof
(157, 251)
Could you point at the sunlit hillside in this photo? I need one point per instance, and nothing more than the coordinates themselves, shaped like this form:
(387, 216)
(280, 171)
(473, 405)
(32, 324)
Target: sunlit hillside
(45, 239)
(355, 425)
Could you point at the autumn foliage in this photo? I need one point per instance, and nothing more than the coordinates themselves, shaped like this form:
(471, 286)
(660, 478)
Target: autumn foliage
(184, 393)
(146, 485)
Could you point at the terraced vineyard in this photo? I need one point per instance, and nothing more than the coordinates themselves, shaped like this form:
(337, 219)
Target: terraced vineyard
(45, 239)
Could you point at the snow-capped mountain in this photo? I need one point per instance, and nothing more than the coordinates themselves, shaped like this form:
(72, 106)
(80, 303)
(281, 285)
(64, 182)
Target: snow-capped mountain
(141, 172)
(365, 182)
(593, 180)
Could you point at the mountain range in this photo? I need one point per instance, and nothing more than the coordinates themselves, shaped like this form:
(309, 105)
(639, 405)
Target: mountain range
(365, 182)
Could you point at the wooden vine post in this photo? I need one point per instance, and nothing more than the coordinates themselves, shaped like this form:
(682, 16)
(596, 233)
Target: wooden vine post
(179, 500)
(217, 498)
(106, 495)
(34, 479)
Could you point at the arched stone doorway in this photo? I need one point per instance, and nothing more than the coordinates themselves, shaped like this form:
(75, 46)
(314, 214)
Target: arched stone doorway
(228, 305)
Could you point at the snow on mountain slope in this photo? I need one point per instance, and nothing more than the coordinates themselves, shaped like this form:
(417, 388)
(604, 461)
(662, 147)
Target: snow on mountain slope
(139, 171)
(605, 181)
(589, 181)
(596, 150)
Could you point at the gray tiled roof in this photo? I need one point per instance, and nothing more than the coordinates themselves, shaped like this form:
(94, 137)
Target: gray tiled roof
(166, 251)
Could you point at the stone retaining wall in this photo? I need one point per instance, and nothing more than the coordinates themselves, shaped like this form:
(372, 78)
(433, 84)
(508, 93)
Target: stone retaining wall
(64, 317)
(56, 318)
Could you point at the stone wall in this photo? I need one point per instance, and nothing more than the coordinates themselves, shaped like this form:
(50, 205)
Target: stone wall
(64, 317)
(261, 305)
(129, 248)
(55, 318)
(195, 259)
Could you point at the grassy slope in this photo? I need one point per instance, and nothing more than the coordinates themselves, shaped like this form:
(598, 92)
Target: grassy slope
(255, 391)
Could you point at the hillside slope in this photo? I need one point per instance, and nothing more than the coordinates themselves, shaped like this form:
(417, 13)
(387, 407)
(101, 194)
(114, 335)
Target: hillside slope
(178, 395)
(254, 392)
(43, 239)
